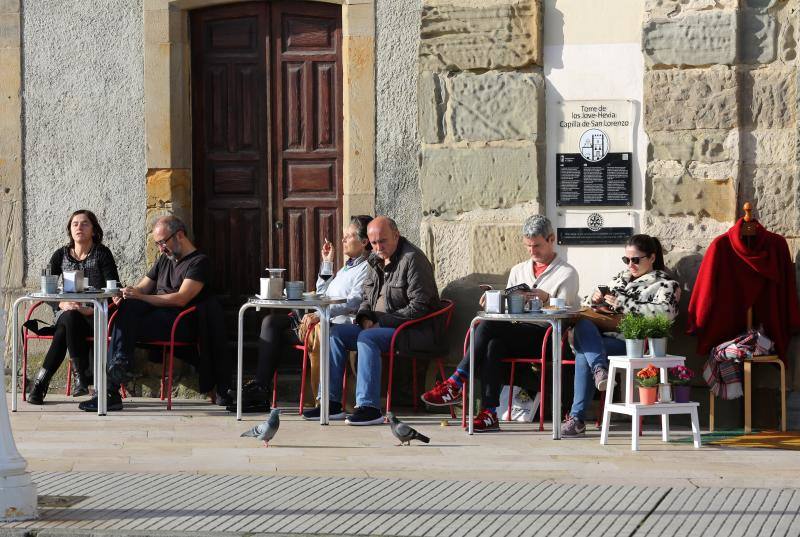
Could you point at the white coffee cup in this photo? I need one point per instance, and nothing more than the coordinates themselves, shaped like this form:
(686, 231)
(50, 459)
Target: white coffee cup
(111, 284)
(557, 302)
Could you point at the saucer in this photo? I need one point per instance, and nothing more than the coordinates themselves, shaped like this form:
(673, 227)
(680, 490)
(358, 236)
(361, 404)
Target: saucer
(111, 289)
(554, 310)
(311, 295)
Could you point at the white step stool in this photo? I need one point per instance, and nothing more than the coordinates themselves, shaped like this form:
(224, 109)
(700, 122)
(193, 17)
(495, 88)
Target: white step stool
(636, 410)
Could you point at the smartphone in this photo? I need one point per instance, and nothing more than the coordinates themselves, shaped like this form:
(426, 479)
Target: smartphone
(604, 290)
(485, 287)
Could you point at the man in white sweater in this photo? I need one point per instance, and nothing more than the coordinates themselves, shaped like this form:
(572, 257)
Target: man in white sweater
(548, 276)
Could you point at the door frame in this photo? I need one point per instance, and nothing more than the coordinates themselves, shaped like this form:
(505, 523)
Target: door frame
(168, 123)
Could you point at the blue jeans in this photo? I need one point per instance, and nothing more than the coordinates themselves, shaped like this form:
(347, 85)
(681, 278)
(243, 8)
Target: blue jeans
(369, 344)
(591, 352)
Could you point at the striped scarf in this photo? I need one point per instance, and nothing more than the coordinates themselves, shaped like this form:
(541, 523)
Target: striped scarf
(723, 369)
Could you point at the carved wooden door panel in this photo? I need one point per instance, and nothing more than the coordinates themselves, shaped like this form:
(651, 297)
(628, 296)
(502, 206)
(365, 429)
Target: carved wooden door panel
(267, 139)
(308, 146)
(231, 144)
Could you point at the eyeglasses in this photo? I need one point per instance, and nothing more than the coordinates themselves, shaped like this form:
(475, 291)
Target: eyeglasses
(628, 260)
(163, 243)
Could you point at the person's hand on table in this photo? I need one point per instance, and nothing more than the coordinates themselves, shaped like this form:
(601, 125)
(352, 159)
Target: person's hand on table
(67, 306)
(131, 293)
(543, 295)
(482, 301)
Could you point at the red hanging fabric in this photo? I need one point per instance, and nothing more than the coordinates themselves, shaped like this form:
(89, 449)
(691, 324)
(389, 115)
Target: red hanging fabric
(736, 275)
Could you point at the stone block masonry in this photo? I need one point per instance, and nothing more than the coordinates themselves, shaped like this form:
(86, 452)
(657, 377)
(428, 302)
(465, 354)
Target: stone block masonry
(480, 97)
(721, 113)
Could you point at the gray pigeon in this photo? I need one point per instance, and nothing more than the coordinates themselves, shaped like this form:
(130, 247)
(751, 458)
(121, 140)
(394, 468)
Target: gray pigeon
(405, 433)
(266, 431)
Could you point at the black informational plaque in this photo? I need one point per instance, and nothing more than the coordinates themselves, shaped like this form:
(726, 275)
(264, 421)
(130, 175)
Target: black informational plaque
(605, 182)
(586, 237)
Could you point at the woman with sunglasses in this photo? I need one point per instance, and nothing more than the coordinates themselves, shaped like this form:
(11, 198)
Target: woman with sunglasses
(643, 288)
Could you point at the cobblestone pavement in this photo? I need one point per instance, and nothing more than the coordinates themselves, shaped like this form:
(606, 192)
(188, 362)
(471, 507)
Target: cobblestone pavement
(145, 471)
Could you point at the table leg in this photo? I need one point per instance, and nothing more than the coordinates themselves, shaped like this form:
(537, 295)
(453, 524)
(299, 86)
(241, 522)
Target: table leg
(471, 375)
(15, 350)
(101, 354)
(239, 353)
(324, 364)
(556, 379)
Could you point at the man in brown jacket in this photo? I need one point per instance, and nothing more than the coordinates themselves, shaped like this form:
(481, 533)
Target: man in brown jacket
(399, 287)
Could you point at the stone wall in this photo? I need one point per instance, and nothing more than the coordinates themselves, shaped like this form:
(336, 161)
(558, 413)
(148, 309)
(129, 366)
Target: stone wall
(11, 220)
(721, 112)
(84, 126)
(397, 138)
(480, 98)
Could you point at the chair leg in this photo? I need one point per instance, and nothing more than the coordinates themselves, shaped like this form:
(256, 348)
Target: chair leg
(414, 387)
(24, 366)
(389, 388)
(444, 378)
(710, 411)
(542, 384)
(275, 389)
(599, 421)
(169, 378)
(464, 403)
(163, 372)
(511, 389)
(302, 382)
(748, 405)
(783, 396)
(69, 378)
(122, 392)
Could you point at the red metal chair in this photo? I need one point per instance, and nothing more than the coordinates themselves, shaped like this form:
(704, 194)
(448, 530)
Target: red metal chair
(28, 335)
(541, 360)
(530, 360)
(167, 353)
(445, 311)
(306, 361)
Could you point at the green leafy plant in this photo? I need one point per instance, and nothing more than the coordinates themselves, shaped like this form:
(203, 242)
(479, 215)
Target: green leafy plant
(633, 326)
(659, 326)
(647, 377)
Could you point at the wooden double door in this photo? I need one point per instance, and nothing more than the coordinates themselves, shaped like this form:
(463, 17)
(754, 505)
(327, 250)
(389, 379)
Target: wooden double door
(267, 139)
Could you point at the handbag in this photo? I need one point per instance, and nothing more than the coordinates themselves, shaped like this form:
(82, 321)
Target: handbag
(45, 330)
(605, 322)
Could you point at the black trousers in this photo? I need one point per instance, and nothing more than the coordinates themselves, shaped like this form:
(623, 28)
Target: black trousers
(276, 339)
(139, 321)
(72, 329)
(496, 340)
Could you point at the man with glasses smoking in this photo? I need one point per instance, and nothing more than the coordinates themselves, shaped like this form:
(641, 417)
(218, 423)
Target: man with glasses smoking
(178, 279)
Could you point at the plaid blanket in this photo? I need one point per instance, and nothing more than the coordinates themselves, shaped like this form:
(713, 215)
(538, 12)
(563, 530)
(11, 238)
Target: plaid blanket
(723, 369)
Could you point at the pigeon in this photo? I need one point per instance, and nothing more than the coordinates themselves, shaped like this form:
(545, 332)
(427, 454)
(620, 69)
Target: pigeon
(266, 431)
(404, 432)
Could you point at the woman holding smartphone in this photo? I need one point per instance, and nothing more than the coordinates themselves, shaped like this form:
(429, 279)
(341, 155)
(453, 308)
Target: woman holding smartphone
(643, 288)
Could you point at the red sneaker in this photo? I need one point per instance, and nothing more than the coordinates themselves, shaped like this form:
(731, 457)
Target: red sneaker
(485, 422)
(443, 394)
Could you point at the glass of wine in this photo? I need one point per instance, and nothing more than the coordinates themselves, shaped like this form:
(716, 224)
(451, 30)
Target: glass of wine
(326, 270)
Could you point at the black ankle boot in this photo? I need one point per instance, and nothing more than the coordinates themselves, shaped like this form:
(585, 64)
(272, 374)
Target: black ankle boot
(83, 381)
(40, 386)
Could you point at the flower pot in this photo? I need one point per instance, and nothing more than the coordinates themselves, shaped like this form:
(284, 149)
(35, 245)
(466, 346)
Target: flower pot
(681, 393)
(658, 346)
(648, 396)
(634, 348)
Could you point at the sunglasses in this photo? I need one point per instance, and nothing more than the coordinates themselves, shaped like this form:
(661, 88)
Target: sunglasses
(635, 260)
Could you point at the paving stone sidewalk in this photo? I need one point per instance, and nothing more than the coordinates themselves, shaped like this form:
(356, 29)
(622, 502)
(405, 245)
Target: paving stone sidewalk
(98, 503)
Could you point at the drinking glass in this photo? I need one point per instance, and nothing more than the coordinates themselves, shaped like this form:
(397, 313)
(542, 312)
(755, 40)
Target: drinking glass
(326, 270)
